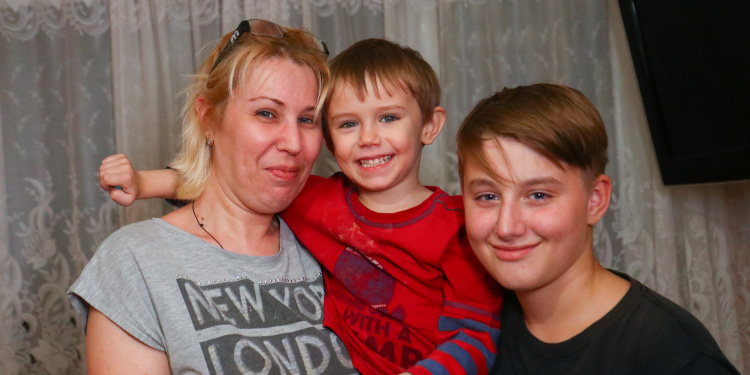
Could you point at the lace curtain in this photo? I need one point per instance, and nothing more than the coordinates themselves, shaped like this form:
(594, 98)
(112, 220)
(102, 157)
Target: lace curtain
(66, 102)
(55, 124)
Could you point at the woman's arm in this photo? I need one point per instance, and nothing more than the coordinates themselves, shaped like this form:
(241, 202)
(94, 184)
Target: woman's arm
(111, 350)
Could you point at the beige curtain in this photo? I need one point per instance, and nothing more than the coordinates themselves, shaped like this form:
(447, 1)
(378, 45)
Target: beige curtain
(65, 104)
(689, 243)
(56, 124)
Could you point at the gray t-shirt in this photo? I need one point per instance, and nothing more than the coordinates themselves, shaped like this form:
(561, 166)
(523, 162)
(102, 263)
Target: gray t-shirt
(213, 311)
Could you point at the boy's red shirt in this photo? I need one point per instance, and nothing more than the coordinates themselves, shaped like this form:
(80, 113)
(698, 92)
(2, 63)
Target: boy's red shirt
(404, 291)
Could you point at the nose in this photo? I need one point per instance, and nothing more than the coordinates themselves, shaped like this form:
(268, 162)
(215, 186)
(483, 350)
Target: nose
(369, 135)
(509, 222)
(290, 137)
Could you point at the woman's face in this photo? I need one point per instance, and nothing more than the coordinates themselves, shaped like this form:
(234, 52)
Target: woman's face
(265, 147)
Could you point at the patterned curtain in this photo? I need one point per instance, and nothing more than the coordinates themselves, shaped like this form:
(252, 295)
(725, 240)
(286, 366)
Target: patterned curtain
(56, 124)
(65, 104)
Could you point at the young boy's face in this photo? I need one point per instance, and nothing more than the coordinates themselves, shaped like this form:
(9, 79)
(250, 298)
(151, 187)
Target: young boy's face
(529, 225)
(377, 141)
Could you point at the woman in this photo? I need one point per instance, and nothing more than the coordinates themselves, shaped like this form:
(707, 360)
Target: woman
(221, 285)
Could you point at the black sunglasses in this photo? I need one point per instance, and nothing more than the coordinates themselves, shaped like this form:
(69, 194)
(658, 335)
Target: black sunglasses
(264, 28)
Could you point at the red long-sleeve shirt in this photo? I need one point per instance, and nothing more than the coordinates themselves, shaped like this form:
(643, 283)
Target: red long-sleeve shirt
(404, 290)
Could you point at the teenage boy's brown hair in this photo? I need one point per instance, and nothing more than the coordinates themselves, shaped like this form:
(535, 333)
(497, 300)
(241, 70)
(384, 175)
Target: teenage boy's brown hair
(556, 121)
(396, 67)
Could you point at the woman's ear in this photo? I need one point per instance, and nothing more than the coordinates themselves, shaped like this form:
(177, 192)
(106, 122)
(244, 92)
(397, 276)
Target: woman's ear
(433, 126)
(202, 106)
(202, 109)
(601, 191)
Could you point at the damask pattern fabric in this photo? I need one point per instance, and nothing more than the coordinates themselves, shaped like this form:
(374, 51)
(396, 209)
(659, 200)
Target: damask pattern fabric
(63, 99)
(56, 123)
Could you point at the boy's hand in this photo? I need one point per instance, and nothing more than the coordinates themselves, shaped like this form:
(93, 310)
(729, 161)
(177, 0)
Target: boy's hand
(117, 176)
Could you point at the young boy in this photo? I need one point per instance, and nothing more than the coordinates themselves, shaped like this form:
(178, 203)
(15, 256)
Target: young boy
(532, 164)
(404, 290)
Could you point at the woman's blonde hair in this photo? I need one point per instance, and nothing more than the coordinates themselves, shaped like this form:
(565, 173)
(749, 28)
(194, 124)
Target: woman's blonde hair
(216, 84)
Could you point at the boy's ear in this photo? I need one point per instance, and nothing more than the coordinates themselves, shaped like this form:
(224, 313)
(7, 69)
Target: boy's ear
(599, 198)
(433, 126)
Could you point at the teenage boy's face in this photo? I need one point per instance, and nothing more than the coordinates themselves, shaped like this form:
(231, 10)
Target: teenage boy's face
(529, 225)
(377, 141)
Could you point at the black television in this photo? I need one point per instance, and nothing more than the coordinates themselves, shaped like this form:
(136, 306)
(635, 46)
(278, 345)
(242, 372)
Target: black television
(692, 61)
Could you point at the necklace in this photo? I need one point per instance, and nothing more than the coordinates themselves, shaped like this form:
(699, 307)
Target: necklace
(202, 227)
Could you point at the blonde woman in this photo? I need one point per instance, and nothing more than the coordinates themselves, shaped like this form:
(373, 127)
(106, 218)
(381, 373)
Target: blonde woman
(222, 285)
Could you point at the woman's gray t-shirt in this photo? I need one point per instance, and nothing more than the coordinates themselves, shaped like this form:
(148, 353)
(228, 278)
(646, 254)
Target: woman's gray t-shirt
(213, 311)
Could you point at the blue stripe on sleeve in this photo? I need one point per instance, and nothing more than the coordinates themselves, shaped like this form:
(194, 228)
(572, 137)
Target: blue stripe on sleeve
(446, 324)
(433, 366)
(451, 324)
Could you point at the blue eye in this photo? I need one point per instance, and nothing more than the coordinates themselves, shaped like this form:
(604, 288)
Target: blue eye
(487, 197)
(348, 124)
(539, 195)
(388, 118)
(267, 114)
(306, 120)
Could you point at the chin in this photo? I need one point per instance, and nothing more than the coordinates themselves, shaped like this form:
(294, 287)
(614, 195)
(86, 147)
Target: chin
(277, 206)
(494, 269)
(509, 276)
(517, 286)
(271, 203)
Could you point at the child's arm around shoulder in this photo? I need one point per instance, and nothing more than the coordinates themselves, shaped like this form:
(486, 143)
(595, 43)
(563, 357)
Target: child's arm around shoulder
(124, 184)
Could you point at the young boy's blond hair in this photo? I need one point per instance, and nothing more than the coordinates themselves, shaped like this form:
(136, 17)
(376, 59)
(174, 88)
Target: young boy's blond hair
(396, 67)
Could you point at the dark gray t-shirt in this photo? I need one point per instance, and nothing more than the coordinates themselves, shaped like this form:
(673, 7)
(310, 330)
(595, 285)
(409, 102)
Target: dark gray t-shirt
(213, 311)
(644, 334)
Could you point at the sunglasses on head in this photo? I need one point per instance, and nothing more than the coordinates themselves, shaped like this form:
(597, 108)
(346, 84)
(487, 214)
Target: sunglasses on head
(263, 28)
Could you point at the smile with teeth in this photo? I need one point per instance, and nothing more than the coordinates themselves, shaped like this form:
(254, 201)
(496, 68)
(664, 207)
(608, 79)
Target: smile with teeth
(371, 163)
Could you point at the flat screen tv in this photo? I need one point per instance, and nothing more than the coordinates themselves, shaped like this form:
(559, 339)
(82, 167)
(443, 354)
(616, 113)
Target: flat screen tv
(692, 60)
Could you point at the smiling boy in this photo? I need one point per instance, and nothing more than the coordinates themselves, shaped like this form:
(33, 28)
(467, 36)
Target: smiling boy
(532, 162)
(404, 290)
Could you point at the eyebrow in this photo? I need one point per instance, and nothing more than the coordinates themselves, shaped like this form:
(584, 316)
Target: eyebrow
(488, 182)
(259, 98)
(391, 107)
(347, 112)
(277, 101)
(541, 181)
(483, 182)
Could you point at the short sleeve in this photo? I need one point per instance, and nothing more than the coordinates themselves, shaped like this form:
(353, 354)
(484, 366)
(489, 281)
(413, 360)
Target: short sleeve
(112, 283)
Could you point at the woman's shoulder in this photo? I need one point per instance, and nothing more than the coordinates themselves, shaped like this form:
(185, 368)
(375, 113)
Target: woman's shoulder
(295, 252)
(141, 238)
(139, 231)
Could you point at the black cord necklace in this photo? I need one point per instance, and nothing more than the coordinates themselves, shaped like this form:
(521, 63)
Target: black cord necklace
(202, 227)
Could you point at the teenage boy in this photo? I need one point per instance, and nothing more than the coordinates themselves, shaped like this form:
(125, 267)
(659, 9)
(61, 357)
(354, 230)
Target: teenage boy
(404, 290)
(532, 164)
